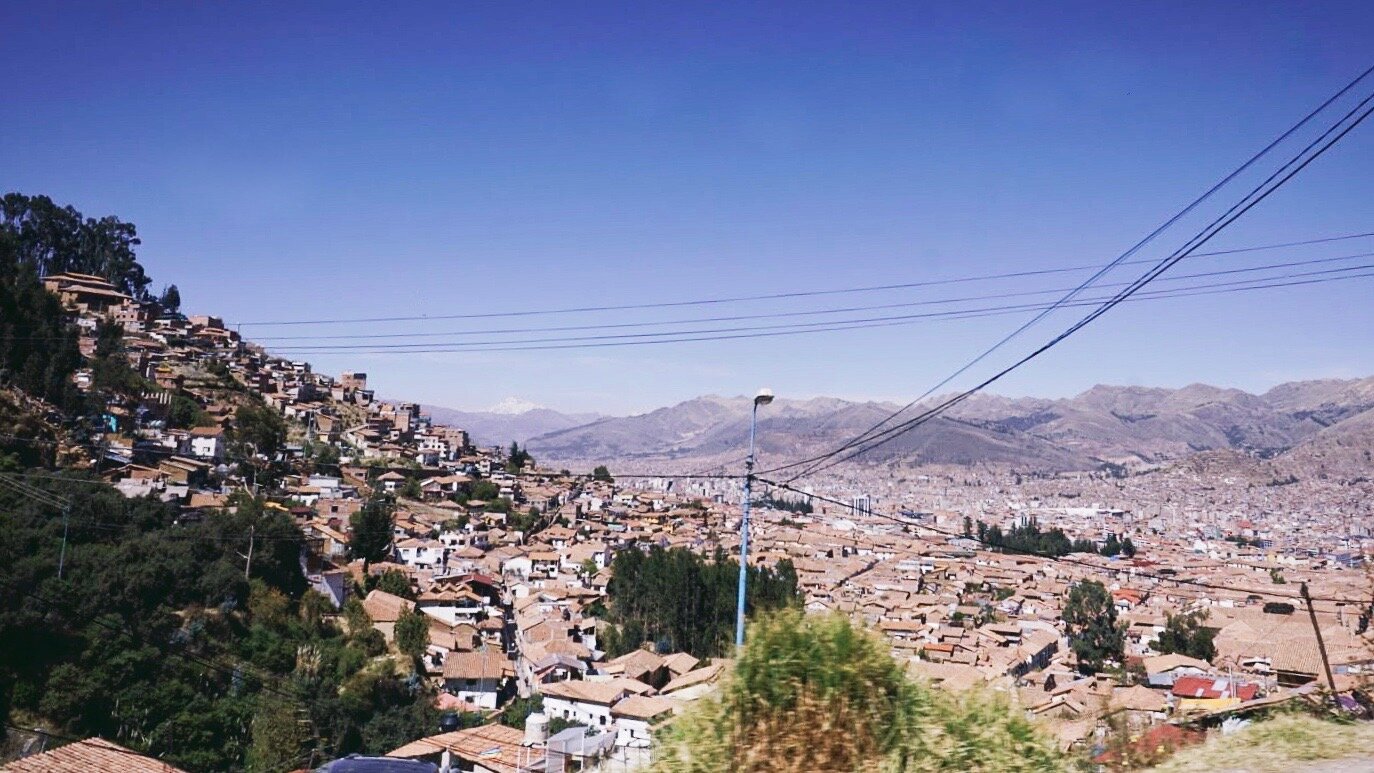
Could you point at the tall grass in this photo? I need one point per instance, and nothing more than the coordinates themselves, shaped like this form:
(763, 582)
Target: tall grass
(1279, 744)
(818, 694)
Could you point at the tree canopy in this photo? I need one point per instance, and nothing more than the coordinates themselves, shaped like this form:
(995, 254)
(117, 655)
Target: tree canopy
(373, 530)
(681, 601)
(1186, 634)
(154, 638)
(53, 239)
(38, 348)
(1090, 617)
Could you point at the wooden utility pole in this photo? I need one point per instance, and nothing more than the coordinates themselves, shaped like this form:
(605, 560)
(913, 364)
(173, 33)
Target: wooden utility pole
(1321, 645)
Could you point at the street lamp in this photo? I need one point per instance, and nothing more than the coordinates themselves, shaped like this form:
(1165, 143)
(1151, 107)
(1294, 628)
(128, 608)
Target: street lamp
(764, 397)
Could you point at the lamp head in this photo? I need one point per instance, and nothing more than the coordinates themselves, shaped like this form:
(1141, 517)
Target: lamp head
(764, 397)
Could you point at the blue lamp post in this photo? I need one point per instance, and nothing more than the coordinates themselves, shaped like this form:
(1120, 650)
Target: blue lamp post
(764, 397)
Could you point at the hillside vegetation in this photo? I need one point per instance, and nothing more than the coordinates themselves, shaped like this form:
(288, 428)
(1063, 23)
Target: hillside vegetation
(154, 638)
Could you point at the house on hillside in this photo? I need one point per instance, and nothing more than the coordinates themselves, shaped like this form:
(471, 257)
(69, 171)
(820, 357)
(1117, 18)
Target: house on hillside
(484, 679)
(206, 443)
(636, 718)
(589, 703)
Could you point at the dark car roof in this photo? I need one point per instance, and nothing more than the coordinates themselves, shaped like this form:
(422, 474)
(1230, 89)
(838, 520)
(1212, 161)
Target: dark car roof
(356, 764)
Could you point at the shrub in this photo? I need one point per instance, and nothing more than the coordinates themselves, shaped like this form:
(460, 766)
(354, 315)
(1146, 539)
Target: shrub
(811, 693)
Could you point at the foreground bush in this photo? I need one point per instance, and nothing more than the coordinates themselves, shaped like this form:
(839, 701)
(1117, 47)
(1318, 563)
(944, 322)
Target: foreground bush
(817, 694)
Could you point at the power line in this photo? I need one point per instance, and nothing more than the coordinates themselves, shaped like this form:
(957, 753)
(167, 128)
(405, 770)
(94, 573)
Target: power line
(769, 331)
(1259, 193)
(761, 297)
(907, 285)
(742, 317)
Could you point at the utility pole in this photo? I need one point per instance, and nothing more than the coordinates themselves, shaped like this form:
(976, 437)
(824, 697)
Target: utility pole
(248, 564)
(1321, 645)
(66, 523)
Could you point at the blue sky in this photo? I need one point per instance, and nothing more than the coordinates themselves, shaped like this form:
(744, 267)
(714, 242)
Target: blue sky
(335, 160)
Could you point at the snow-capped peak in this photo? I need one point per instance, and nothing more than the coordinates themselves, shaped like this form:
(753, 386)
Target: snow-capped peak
(513, 405)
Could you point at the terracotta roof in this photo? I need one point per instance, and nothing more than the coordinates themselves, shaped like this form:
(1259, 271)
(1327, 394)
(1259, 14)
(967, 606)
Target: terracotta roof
(494, 747)
(385, 607)
(476, 665)
(92, 754)
(642, 707)
(605, 693)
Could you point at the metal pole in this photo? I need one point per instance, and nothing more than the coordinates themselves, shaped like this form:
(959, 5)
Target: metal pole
(248, 564)
(744, 530)
(62, 556)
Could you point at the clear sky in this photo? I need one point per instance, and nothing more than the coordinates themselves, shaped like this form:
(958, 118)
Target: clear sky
(298, 161)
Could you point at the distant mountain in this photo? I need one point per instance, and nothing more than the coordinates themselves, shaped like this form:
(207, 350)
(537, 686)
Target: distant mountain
(500, 427)
(714, 429)
(1331, 420)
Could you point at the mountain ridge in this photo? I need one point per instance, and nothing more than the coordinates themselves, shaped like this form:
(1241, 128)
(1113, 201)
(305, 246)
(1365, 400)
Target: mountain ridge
(1106, 424)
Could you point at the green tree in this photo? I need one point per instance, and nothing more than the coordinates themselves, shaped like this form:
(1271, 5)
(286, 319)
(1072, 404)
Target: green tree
(602, 474)
(1186, 634)
(280, 735)
(1090, 617)
(1112, 546)
(373, 527)
(412, 633)
(52, 239)
(1128, 548)
(682, 601)
(260, 426)
(110, 370)
(395, 582)
(1276, 576)
(483, 491)
(411, 489)
(171, 299)
(38, 347)
(588, 568)
(518, 458)
(185, 413)
(355, 614)
(519, 709)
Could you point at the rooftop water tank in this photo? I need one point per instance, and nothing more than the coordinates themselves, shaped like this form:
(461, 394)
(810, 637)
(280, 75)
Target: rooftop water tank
(536, 729)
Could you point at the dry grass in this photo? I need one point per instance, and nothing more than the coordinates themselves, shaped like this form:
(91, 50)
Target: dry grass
(1276, 745)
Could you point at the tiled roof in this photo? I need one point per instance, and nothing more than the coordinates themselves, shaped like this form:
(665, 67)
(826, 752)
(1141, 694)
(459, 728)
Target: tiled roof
(92, 754)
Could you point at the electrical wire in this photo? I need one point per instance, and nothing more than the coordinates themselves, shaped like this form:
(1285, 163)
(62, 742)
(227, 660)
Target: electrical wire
(747, 298)
(1334, 134)
(957, 280)
(771, 315)
(769, 331)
